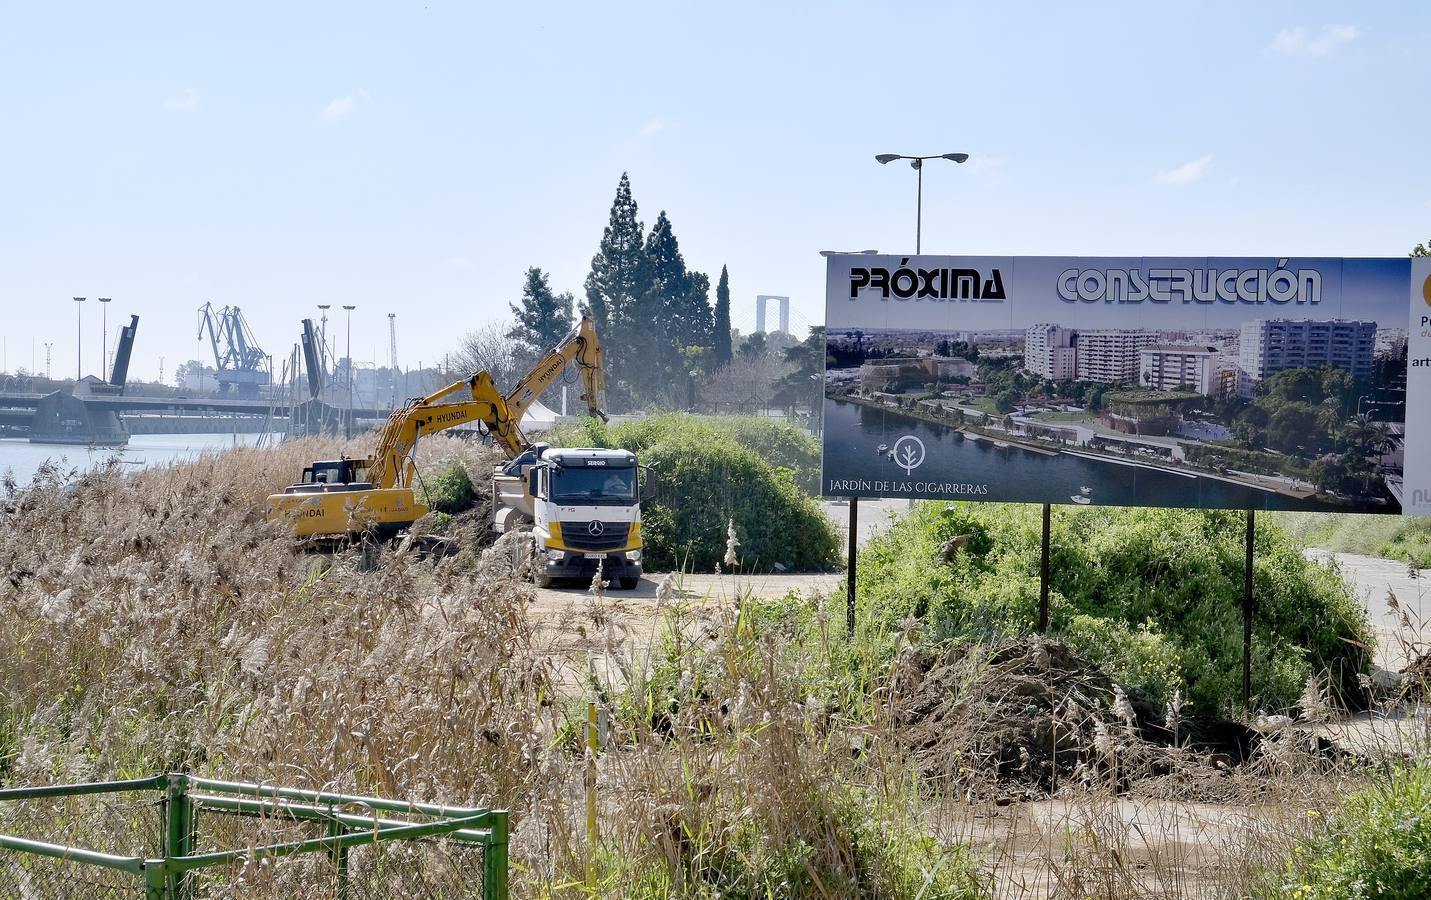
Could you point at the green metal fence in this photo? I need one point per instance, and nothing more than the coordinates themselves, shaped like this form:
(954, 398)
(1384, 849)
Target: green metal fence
(180, 837)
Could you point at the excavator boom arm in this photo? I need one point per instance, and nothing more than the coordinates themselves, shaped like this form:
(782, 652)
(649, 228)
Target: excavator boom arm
(582, 347)
(478, 400)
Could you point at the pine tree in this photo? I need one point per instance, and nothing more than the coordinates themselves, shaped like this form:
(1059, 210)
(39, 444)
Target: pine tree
(617, 289)
(720, 337)
(543, 318)
(683, 295)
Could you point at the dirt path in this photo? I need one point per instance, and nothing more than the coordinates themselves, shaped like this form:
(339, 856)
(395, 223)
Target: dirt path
(578, 630)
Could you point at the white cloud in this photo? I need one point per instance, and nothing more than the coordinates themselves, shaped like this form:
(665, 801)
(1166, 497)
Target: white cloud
(984, 165)
(341, 108)
(1303, 41)
(1186, 173)
(652, 127)
(186, 100)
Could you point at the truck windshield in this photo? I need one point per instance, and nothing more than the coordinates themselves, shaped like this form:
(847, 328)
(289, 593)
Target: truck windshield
(593, 486)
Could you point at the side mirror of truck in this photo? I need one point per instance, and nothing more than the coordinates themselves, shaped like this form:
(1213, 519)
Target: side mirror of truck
(532, 481)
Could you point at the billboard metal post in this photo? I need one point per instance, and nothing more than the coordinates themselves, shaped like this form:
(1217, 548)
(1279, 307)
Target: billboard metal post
(1043, 572)
(853, 555)
(1247, 614)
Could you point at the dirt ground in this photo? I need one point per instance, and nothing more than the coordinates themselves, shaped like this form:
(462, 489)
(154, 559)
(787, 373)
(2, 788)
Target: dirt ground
(1152, 841)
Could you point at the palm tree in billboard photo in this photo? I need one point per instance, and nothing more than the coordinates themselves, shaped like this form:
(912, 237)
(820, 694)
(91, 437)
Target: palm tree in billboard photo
(1365, 441)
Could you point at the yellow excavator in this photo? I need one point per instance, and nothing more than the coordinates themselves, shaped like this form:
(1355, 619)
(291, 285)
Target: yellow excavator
(581, 506)
(348, 496)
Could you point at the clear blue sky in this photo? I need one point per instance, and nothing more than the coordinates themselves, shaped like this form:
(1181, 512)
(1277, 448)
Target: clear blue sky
(416, 160)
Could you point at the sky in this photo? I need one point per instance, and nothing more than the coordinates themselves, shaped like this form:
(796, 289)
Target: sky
(416, 160)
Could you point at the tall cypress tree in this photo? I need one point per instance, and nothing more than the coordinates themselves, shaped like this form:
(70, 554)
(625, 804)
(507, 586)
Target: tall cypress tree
(720, 337)
(698, 310)
(543, 318)
(617, 288)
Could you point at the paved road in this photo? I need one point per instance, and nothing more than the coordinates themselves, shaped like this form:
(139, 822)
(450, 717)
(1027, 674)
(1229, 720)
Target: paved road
(1373, 579)
(875, 515)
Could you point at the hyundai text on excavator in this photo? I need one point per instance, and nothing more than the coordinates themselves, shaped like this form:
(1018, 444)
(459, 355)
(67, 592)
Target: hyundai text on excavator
(582, 506)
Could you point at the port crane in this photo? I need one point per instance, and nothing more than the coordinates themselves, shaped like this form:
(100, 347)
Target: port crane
(241, 364)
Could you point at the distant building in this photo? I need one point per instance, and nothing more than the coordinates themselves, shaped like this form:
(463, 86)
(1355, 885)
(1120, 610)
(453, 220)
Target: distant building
(1111, 355)
(1167, 367)
(1269, 346)
(1049, 352)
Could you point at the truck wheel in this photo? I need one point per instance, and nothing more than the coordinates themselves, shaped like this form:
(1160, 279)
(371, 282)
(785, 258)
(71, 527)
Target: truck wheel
(629, 584)
(542, 580)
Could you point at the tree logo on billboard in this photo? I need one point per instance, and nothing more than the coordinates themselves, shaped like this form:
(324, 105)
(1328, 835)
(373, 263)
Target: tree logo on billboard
(909, 453)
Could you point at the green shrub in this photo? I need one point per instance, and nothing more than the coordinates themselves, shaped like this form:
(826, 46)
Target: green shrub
(1155, 595)
(781, 445)
(711, 471)
(699, 484)
(450, 492)
(1377, 845)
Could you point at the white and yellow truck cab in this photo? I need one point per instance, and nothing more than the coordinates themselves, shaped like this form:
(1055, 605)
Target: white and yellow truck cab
(584, 509)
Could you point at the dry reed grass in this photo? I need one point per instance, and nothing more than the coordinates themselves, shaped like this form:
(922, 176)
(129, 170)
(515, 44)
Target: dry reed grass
(154, 621)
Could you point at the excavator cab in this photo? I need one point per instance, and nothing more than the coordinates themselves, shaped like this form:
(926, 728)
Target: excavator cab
(333, 475)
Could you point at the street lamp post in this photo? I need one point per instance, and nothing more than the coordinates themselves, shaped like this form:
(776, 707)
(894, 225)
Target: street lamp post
(79, 341)
(349, 307)
(917, 163)
(104, 338)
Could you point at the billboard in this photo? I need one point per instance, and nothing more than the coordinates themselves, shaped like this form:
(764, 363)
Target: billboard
(1246, 383)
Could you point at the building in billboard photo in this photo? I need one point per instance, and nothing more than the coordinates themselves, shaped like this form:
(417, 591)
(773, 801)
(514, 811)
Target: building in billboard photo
(1167, 367)
(1226, 405)
(1270, 346)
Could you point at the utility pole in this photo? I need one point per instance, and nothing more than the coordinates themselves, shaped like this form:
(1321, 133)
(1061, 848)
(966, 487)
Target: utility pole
(392, 355)
(48, 345)
(349, 307)
(79, 340)
(104, 338)
(323, 335)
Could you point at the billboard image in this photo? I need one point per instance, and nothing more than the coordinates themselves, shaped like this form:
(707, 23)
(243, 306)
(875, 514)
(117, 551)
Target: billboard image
(1247, 383)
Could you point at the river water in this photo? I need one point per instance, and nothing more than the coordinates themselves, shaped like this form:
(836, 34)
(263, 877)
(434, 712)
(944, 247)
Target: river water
(957, 467)
(23, 459)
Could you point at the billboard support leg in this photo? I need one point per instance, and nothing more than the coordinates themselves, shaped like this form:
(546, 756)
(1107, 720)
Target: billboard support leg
(1247, 614)
(1043, 573)
(854, 548)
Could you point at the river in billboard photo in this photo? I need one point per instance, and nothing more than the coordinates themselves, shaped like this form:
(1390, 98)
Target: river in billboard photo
(1246, 383)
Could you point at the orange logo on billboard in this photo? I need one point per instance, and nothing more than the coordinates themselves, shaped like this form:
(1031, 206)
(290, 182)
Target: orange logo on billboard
(1426, 290)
